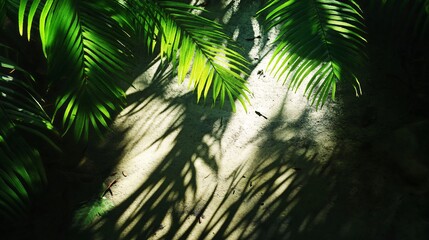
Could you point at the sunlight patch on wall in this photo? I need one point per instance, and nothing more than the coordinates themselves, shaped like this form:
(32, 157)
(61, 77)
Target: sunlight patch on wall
(233, 159)
(235, 34)
(257, 46)
(231, 10)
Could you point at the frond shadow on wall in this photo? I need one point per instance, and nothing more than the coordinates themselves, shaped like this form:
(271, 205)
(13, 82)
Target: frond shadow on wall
(176, 172)
(243, 25)
(293, 186)
(296, 190)
(295, 193)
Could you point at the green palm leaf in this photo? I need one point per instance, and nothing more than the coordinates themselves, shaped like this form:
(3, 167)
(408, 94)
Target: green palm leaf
(145, 22)
(22, 175)
(88, 212)
(197, 46)
(20, 102)
(88, 59)
(319, 41)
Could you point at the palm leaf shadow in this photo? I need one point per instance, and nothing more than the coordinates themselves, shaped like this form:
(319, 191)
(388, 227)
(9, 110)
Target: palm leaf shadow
(301, 188)
(248, 38)
(295, 214)
(166, 184)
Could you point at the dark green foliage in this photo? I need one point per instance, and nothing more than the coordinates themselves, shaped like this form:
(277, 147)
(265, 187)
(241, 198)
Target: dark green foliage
(320, 42)
(22, 175)
(90, 211)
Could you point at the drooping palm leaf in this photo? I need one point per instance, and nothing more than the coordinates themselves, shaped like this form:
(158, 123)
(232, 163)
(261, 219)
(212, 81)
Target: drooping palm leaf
(145, 24)
(88, 59)
(319, 41)
(20, 102)
(22, 175)
(198, 46)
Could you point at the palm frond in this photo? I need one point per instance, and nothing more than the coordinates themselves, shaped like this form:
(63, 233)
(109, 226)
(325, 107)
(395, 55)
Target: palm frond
(27, 9)
(20, 102)
(198, 46)
(88, 212)
(22, 175)
(88, 60)
(319, 41)
(145, 22)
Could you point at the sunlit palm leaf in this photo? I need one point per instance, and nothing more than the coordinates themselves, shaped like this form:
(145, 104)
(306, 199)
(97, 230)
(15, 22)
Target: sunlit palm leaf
(197, 46)
(319, 41)
(26, 12)
(87, 58)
